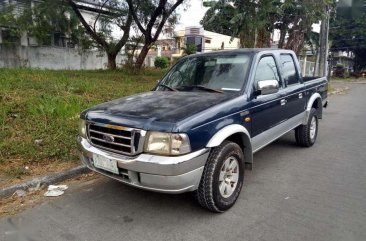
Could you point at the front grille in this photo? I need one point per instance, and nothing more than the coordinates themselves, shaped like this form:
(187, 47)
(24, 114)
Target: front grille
(116, 139)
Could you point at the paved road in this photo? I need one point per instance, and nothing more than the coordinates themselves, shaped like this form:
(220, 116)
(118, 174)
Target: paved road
(292, 194)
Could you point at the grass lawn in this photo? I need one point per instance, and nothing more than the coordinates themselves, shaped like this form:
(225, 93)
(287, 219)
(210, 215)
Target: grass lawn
(39, 112)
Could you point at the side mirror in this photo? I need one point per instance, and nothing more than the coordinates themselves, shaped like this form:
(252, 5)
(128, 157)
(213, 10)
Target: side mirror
(266, 87)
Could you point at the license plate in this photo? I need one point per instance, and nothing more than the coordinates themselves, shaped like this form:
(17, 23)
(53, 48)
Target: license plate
(105, 163)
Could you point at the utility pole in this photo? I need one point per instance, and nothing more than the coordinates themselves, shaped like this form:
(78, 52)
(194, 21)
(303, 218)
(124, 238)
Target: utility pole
(323, 51)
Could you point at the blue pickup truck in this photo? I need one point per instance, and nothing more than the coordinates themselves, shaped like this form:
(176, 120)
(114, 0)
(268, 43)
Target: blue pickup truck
(198, 129)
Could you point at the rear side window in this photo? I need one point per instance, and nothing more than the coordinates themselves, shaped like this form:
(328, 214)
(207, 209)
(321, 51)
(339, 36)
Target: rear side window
(266, 70)
(290, 75)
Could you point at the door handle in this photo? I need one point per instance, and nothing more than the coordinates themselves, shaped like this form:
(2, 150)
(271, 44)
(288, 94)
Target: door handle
(300, 96)
(283, 102)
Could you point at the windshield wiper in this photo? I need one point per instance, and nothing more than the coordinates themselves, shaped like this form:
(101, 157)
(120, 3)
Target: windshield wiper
(168, 87)
(201, 87)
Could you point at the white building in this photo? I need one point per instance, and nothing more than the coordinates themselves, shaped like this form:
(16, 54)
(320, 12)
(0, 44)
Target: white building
(205, 41)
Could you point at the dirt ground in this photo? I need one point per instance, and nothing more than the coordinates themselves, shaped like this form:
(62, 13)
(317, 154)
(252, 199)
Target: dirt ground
(12, 205)
(11, 173)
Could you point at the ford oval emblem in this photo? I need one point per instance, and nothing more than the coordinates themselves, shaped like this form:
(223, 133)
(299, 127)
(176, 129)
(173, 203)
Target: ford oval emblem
(108, 138)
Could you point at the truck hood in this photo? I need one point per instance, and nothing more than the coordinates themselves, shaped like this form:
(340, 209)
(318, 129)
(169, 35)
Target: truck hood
(158, 110)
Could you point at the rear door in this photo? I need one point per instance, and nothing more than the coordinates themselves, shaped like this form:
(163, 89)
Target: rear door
(295, 100)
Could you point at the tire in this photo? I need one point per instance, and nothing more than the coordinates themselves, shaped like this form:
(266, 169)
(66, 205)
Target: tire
(209, 195)
(305, 134)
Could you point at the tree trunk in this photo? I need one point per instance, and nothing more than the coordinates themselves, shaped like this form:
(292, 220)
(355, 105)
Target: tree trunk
(263, 38)
(247, 38)
(281, 42)
(112, 60)
(140, 59)
(295, 40)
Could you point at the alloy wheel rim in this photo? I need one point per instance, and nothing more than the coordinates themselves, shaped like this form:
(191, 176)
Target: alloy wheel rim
(312, 128)
(229, 177)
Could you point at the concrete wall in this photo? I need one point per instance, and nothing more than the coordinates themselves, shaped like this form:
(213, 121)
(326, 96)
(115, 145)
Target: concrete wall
(53, 58)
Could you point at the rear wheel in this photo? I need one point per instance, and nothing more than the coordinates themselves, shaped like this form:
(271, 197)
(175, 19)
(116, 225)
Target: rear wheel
(306, 134)
(222, 178)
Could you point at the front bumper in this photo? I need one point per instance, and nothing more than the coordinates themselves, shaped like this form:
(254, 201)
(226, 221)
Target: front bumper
(156, 173)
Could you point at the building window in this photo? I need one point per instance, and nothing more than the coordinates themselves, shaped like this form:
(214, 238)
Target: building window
(59, 40)
(195, 41)
(9, 37)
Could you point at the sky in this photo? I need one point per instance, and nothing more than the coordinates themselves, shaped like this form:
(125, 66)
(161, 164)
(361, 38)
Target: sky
(192, 15)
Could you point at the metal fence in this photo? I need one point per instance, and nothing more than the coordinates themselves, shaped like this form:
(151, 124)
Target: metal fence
(307, 68)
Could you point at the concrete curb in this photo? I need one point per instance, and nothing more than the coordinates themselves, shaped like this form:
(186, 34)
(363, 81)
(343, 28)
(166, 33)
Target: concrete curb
(45, 180)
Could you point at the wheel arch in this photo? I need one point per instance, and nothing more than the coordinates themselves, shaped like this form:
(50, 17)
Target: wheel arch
(238, 134)
(315, 101)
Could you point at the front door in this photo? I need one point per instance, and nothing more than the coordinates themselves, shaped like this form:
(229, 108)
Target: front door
(266, 111)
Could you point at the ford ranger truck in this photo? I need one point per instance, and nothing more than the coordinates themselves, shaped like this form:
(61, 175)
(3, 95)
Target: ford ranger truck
(198, 129)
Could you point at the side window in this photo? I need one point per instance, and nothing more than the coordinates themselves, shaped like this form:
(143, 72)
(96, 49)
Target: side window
(289, 70)
(266, 70)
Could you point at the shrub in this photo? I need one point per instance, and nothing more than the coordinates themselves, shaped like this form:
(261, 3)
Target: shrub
(161, 62)
(340, 71)
(190, 49)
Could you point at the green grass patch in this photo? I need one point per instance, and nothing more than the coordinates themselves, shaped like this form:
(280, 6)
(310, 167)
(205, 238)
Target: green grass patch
(17, 172)
(45, 105)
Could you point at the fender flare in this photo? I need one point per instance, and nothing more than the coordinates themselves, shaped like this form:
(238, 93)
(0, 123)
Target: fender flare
(309, 105)
(229, 130)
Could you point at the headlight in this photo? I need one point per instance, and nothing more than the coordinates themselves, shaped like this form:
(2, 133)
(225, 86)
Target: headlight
(82, 128)
(167, 143)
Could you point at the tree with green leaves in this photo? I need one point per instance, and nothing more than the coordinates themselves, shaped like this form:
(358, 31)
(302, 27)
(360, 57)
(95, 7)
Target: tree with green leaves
(218, 16)
(42, 18)
(112, 13)
(250, 21)
(151, 16)
(253, 21)
(296, 19)
(39, 19)
(348, 34)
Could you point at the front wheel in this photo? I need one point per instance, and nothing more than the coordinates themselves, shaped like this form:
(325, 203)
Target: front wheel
(222, 178)
(306, 134)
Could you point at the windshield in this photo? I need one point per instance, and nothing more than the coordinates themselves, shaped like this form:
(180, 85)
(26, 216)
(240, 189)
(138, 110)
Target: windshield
(216, 73)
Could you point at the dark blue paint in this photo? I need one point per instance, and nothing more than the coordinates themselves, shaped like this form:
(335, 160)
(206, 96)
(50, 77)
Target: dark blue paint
(202, 114)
